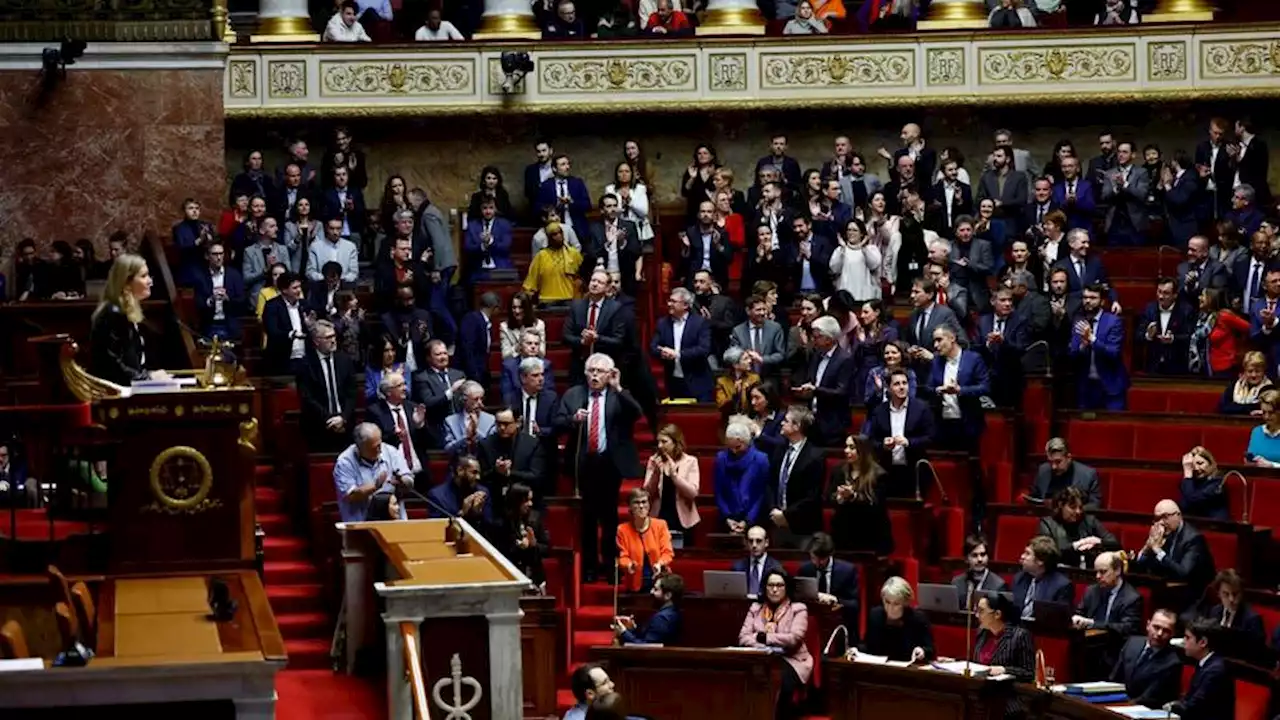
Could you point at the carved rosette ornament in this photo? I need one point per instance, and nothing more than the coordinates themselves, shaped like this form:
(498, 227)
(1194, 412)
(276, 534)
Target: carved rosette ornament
(181, 479)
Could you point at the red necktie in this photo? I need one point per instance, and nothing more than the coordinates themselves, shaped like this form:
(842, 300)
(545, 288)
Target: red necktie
(942, 298)
(593, 431)
(591, 320)
(406, 445)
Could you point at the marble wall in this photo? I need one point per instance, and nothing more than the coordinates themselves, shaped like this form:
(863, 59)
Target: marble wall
(108, 150)
(444, 155)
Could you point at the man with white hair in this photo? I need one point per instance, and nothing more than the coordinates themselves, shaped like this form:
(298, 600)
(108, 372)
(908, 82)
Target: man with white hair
(399, 418)
(826, 382)
(600, 419)
(682, 342)
(530, 347)
(537, 405)
(366, 468)
(464, 429)
(326, 391)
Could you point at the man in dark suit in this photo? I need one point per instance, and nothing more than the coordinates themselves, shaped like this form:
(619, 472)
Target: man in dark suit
(927, 316)
(326, 392)
(705, 246)
(664, 626)
(1149, 668)
(718, 310)
(593, 325)
(797, 475)
(530, 346)
(510, 456)
(322, 295)
(410, 325)
(1002, 339)
(1176, 551)
(1244, 212)
(1008, 188)
(1111, 605)
(1214, 167)
(1182, 199)
(977, 578)
(764, 339)
(1040, 580)
(219, 295)
(900, 448)
(1041, 204)
(345, 203)
(952, 197)
(1249, 274)
(1075, 195)
(972, 260)
(837, 582)
(1164, 330)
(1102, 164)
(1060, 470)
(536, 173)
(682, 342)
(1124, 190)
(401, 269)
(758, 561)
(826, 382)
(400, 420)
(809, 259)
(1097, 352)
(285, 321)
(475, 335)
(1212, 693)
(1250, 157)
(568, 194)
(788, 168)
(537, 405)
(486, 245)
(612, 243)
(1199, 272)
(600, 417)
(1082, 268)
(957, 380)
(435, 385)
(287, 195)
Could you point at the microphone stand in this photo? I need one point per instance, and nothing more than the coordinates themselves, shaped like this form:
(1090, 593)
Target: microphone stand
(968, 633)
(453, 532)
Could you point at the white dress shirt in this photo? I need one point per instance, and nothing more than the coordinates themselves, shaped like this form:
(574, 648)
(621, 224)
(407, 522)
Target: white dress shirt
(399, 414)
(218, 280)
(299, 346)
(898, 428)
(677, 337)
(447, 31)
(337, 31)
(951, 401)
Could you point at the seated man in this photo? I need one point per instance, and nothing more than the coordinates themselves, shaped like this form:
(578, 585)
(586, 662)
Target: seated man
(837, 582)
(367, 468)
(1211, 694)
(1149, 668)
(463, 496)
(1059, 471)
(1040, 580)
(1176, 551)
(978, 578)
(758, 563)
(1111, 604)
(664, 627)
(464, 429)
(15, 486)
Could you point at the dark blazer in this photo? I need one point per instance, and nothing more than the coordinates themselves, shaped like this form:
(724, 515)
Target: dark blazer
(974, 382)
(663, 628)
(1153, 682)
(926, 165)
(1204, 498)
(1016, 193)
(790, 169)
(721, 253)
(1186, 559)
(1126, 610)
(820, 250)
(1245, 621)
(919, 430)
(532, 186)
(620, 414)
(1016, 652)
(1064, 535)
(277, 328)
(1080, 211)
(332, 208)
(961, 204)
(1004, 358)
(1212, 693)
(743, 565)
(385, 284)
(118, 348)
(1182, 207)
(472, 354)
(314, 405)
(990, 583)
(281, 209)
(1253, 170)
(1094, 272)
(429, 389)
(1239, 284)
(1107, 353)
(579, 201)
(1053, 586)
(1166, 358)
(609, 331)
(804, 488)
(528, 464)
(232, 308)
(833, 395)
(545, 412)
(897, 644)
(1212, 274)
(499, 252)
(409, 327)
(1046, 484)
(938, 316)
(593, 253)
(695, 349)
(509, 384)
(379, 413)
(844, 585)
(1223, 175)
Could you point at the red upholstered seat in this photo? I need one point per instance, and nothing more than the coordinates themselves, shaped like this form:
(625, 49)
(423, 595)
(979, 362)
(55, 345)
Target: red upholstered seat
(1057, 655)
(701, 426)
(949, 530)
(691, 570)
(1264, 509)
(1224, 547)
(1109, 439)
(320, 482)
(1140, 490)
(1012, 534)
(1226, 442)
(562, 526)
(904, 541)
(1253, 701)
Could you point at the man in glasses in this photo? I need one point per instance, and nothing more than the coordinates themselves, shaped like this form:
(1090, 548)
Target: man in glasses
(1176, 551)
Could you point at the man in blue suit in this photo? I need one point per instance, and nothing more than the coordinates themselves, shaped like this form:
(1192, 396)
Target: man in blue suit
(1040, 580)
(567, 194)
(345, 203)
(463, 495)
(664, 626)
(1263, 332)
(810, 258)
(487, 245)
(537, 404)
(1075, 195)
(826, 383)
(1149, 668)
(682, 343)
(219, 294)
(1002, 339)
(1211, 694)
(475, 335)
(510, 384)
(1248, 274)
(1084, 269)
(837, 582)
(536, 173)
(1097, 351)
(1182, 199)
(957, 381)
(1164, 331)
(899, 452)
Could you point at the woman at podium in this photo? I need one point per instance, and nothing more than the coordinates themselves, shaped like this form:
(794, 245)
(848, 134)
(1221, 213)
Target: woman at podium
(119, 353)
(780, 624)
(1002, 645)
(895, 629)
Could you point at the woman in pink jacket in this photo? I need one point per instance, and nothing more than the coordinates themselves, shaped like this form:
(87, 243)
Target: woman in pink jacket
(672, 480)
(780, 624)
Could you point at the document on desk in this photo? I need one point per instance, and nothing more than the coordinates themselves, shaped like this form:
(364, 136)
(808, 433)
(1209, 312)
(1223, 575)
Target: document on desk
(18, 664)
(880, 660)
(738, 648)
(1139, 712)
(957, 667)
(1097, 687)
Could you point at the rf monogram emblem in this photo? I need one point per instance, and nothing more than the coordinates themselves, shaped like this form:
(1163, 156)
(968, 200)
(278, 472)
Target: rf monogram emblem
(458, 710)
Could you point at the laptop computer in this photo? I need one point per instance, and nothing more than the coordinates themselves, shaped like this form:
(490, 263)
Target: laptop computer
(939, 597)
(724, 584)
(1051, 614)
(806, 589)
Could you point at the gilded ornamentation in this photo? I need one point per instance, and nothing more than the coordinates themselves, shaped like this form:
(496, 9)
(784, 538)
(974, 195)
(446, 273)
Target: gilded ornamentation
(875, 69)
(181, 479)
(1167, 61)
(640, 74)
(728, 72)
(248, 440)
(1239, 59)
(1091, 63)
(495, 76)
(287, 79)
(411, 78)
(945, 66)
(243, 75)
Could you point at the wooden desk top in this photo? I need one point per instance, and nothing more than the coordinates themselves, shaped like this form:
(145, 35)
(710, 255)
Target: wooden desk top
(421, 557)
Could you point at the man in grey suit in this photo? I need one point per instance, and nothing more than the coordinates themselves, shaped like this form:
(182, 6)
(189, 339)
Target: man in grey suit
(259, 257)
(1199, 272)
(464, 429)
(971, 263)
(435, 386)
(761, 339)
(927, 317)
(1124, 190)
(1007, 187)
(1060, 470)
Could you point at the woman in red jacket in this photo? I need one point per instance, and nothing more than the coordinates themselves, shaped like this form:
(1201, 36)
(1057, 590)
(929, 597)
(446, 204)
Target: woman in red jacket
(1218, 339)
(731, 222)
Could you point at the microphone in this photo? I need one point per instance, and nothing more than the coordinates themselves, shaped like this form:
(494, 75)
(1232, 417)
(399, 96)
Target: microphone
(220, 601)
(453, 532)
(832, 638)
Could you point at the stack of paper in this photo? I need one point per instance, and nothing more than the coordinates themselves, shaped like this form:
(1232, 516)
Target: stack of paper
(1139, 712)
(1093, 688)
(958, 667)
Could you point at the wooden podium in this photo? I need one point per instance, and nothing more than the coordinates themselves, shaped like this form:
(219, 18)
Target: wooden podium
(466, 608)
(873, 692)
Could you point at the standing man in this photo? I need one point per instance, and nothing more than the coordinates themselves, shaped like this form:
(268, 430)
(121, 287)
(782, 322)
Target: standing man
(367, 468)
(600, 417)
(326, 391)
(837, 582)
(682, 343)
(797, 473)
(826, 382)
(1097, 351)
(593, 325)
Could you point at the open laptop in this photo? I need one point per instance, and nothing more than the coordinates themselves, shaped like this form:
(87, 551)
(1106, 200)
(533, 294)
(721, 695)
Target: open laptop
(944, 598)
(724, 584)
(807, 589)
(1051, 614)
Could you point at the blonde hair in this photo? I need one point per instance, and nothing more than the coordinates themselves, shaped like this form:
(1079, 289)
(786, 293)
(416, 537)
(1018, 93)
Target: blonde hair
(123, 272)
(897, 589)
(1252, 358)
(1208, 456)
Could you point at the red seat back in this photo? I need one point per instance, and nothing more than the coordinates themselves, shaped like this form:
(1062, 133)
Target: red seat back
(1253, 701)
(1013, 532)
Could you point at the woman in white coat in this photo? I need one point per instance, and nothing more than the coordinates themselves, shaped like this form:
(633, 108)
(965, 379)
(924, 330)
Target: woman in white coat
(855, 264)
(633, 199)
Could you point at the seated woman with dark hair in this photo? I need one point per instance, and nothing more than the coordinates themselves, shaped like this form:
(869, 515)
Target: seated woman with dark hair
(383, 506)
(1244, 395)
(1079, 536)
(778, 622)
(520, 535)
(767, 415)
(1002, 644)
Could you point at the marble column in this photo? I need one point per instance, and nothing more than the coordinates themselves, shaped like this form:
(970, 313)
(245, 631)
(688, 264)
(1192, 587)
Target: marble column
(506, 679)
(732, 17)
(955, 15)
(507, 20)
(399, 694)
(357, 597)
(284, 21)
(1171, 11)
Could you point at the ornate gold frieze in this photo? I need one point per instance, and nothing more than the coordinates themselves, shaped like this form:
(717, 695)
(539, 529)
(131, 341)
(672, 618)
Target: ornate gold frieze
(1235, 59)
(243, 78)
(412, 78)
(728, 72)
(1167, 61)
(885, 68)
(1079, 64)
(286, 79)
(642, 73)
(944, 66)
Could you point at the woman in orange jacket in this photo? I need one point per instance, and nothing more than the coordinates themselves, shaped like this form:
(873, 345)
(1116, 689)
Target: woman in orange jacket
(831, 10)
(644, 546)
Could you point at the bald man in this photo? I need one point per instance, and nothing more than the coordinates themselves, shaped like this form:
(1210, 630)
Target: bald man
(913, 146)
(1176, 551)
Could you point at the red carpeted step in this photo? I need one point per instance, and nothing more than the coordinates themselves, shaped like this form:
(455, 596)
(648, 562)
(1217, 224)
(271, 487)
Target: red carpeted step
(289, 572)
(285, 548)
(298, 626)
(267, 500)
(277, 524)
(315, 694)
(593, 618)
(309, 653)
(597, 594)
(294, 598)
(583, 641)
